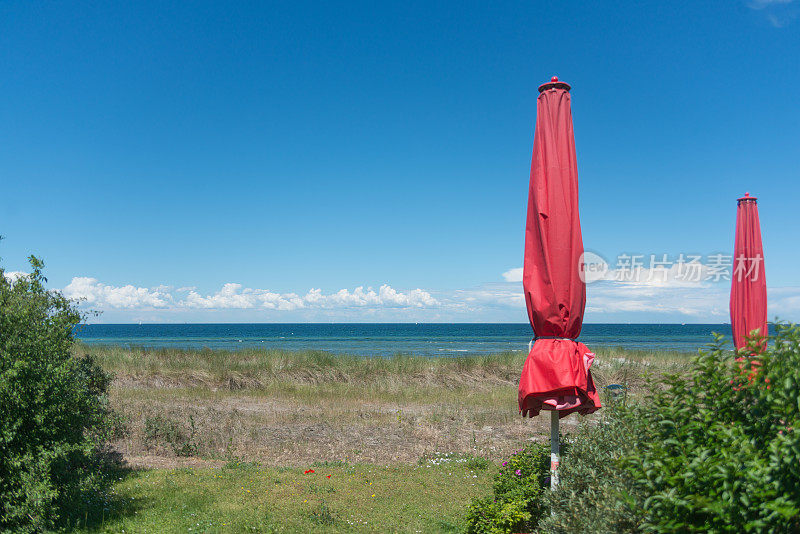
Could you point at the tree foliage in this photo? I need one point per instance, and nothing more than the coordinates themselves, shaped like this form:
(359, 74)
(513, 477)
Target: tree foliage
(53, 408)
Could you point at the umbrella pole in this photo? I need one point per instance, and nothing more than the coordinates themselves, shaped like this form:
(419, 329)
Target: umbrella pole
(554, 449)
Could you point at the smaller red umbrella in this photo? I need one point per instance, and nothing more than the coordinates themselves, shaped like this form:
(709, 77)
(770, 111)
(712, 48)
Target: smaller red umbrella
(748, 282)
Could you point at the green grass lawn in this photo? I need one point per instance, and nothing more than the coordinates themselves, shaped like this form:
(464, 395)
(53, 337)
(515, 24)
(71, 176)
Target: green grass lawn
(429, 497)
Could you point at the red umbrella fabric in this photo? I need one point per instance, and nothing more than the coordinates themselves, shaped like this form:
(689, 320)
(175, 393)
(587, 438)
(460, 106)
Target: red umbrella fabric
(556, 375)
(748, 282)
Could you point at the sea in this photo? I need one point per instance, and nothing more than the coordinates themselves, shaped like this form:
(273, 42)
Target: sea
(422, 339)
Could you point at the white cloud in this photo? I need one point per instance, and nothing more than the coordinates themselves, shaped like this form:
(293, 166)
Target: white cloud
(701, 302)
(489, 296)
(675, 276)
(13, 276)
(784, 303)
(513, 275)
(643, 292)
(386, 296)
(663, 298)
(641, 276)
(678, 290)
(234, 296)
(99, 295)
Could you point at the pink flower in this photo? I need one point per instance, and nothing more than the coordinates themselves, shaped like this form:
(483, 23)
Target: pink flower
(518, 472)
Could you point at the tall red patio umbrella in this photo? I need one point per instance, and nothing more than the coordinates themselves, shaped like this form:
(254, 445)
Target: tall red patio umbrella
(748, 282)
(556, 374)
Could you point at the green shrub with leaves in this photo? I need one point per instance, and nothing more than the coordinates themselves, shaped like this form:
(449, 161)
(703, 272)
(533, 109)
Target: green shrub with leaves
(160, 430)
(722, 447)
(53, 409)
(715, 449)
(490, 516)
(517, 501)
(593, 491)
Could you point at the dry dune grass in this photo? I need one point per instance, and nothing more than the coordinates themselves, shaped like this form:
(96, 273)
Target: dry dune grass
(258, 368)
(295, 408)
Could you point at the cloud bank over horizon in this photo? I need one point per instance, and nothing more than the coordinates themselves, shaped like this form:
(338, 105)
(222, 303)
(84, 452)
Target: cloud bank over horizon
(651, 297)
(95, 295)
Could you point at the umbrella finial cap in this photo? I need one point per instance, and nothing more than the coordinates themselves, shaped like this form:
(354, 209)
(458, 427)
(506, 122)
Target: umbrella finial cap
(554, 83)
(746, 197)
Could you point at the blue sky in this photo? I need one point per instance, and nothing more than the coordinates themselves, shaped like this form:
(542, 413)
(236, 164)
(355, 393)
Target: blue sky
(263, 161)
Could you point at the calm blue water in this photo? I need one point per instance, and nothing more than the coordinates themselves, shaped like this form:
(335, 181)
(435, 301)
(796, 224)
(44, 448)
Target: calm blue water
(388, 339)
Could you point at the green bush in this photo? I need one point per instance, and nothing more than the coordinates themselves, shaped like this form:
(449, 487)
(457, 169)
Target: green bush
(716, 449)
(490, 516)
(593, 491)
(517, 501)
(53, 409)
(722, 447)
(160, 430)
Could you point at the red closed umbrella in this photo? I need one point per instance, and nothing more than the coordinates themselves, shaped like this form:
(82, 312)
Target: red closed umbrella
(556, 373)
(748, 282)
